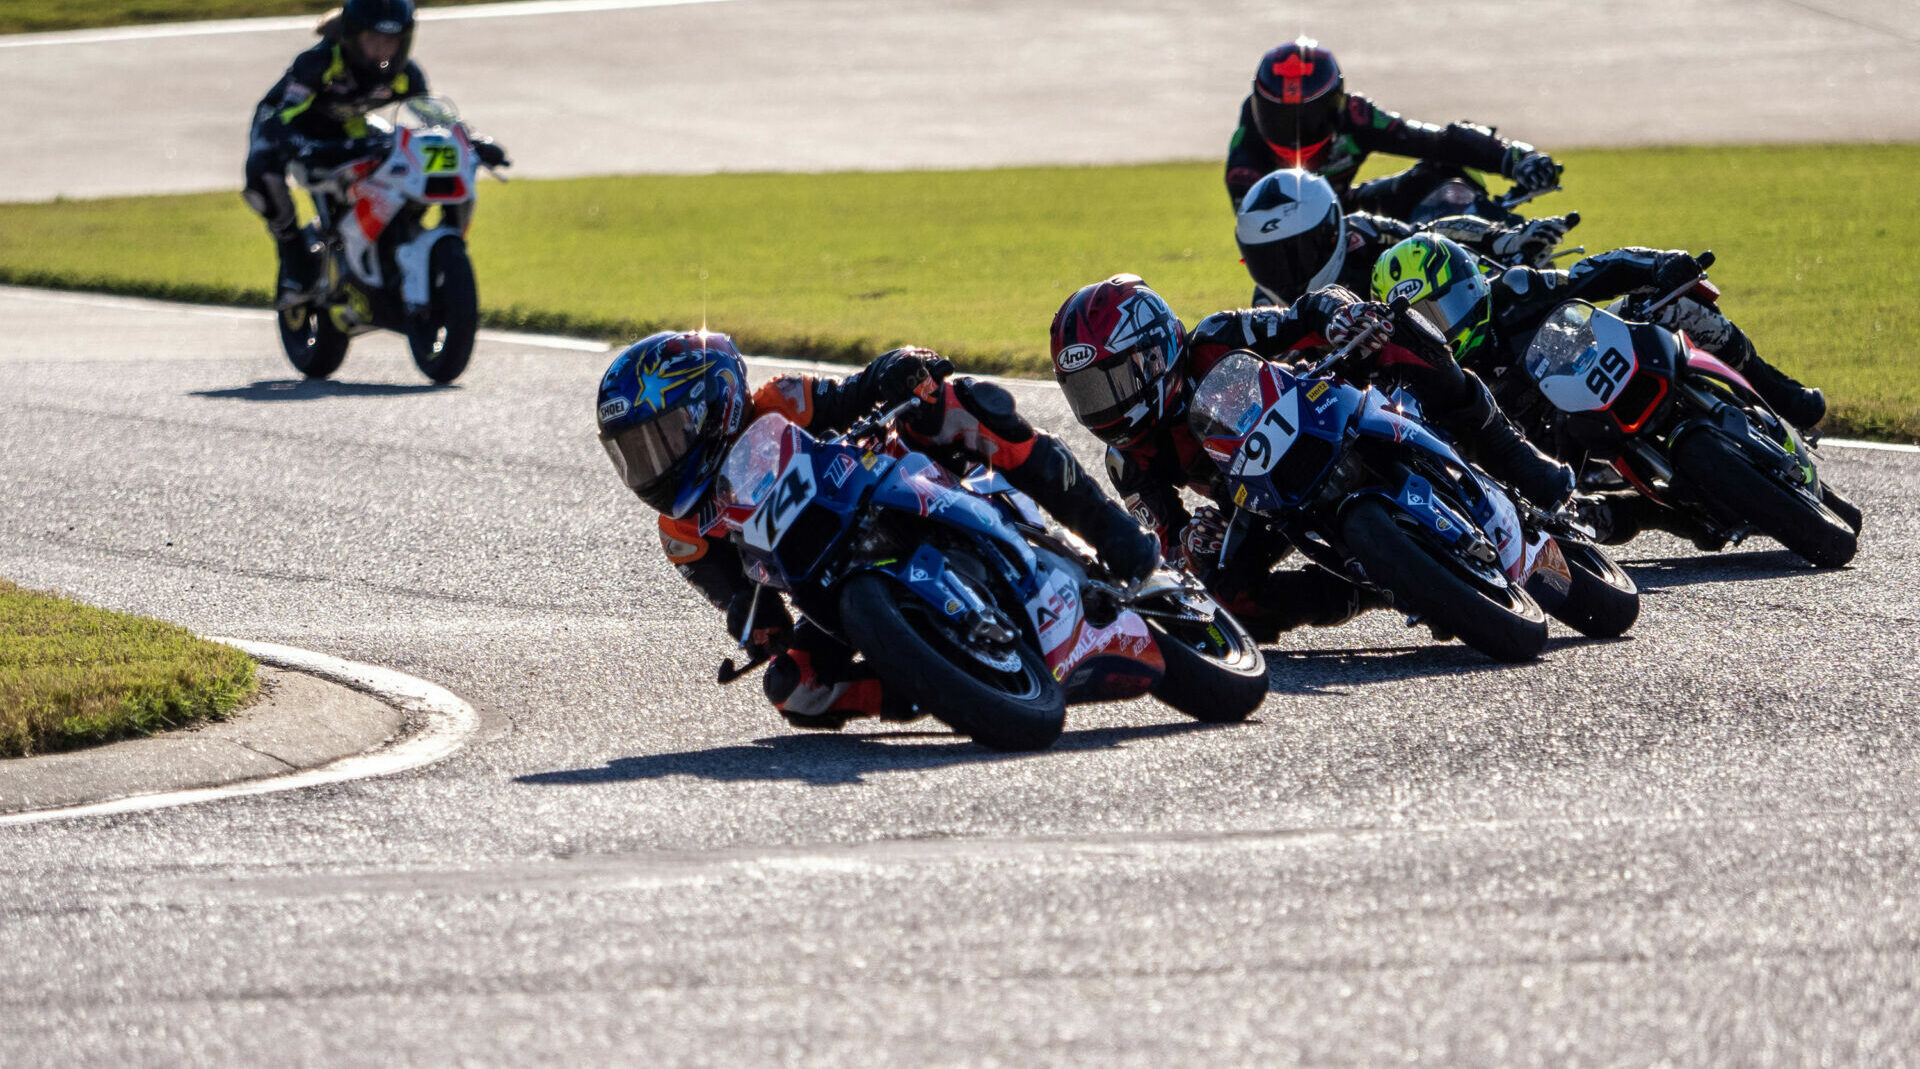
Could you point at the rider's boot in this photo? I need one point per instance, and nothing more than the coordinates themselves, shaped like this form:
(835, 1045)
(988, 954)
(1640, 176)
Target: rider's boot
(1492, 439)
(822, 690)
(1618, 516)
(299, 268)
(1799, 405)
(1057, 483)
(1288, 598)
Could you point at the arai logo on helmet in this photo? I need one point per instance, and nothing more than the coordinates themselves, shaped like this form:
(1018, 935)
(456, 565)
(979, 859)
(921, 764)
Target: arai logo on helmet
(1408, 288)
(1075, 357)
(614, 409)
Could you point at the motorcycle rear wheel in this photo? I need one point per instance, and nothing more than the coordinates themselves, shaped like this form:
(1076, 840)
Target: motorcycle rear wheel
(442, 342)
(314, 346)
(1215, 673)
(915, 657)
(1509, 626)
(1603, 601)
(1720, 471)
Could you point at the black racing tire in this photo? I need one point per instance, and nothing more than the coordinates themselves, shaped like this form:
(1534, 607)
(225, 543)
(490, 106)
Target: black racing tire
(1215, 673)
(1023, 710)
(1603, 601)
(314, 346)
(442, 343)
(1723, 473)
(1507, 625)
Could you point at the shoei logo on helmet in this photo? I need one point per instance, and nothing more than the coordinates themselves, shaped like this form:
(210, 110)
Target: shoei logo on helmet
(614, 409)
(1408, 288)
(1075, 357)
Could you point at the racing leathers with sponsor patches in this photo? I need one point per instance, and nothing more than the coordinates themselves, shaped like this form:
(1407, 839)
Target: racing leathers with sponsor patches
(962, 421)
(1522, 299)
(322, 97)
(1363, 128)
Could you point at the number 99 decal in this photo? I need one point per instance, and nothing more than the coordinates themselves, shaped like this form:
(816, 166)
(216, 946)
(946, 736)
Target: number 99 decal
(1607, 375)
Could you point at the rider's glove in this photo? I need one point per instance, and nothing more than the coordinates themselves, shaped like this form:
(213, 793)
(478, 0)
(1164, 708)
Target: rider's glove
(1353, 319)
(1531, 245)
(1203, 536)
(490, 153)
(1671, 270)
(1534, 171)
(772, 623)
(910, 372)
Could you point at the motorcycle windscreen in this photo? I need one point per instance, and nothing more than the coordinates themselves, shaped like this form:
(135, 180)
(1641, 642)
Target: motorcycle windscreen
(646, 453)
(752, 465)
(1228, 401)
(1577, 368)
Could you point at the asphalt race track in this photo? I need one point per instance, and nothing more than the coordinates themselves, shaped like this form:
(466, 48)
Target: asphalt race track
(1695, 843)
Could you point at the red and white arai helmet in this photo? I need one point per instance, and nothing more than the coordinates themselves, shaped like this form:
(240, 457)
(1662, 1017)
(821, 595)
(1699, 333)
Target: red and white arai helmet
(1116, 348)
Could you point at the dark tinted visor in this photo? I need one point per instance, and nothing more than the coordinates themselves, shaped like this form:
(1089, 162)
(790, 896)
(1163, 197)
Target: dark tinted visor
(1296, 125)
(1100, 395)
(646, 453)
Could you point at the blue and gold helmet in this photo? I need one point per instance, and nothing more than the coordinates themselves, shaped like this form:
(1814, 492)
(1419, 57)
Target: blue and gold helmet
(670, 405)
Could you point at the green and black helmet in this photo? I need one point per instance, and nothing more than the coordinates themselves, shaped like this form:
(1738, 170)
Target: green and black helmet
(1441, 281)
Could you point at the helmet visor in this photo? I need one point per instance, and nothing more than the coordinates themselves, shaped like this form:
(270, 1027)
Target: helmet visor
(1287, 267)
(1296, 125)
(1455, 308)
(1101, 395)
(646, 453)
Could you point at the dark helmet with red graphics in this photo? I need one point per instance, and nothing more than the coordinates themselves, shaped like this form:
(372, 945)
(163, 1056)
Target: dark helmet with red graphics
(1116, 348)
(1297, 97)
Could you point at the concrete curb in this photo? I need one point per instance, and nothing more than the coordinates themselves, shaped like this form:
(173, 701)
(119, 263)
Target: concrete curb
(325, 720)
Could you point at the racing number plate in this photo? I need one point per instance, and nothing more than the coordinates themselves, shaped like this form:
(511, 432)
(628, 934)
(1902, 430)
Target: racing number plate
(783, 505)
(438, 156)
(1270, 438)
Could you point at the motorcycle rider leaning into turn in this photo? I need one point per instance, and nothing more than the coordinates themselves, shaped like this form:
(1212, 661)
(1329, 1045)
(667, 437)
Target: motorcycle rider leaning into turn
(318, 107)
(672, 404)
(1129, 367)
(1293, 237)
(1300, 114)
(1491, 321)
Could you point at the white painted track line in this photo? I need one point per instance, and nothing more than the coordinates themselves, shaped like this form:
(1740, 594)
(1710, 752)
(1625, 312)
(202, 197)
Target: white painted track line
(448, 723)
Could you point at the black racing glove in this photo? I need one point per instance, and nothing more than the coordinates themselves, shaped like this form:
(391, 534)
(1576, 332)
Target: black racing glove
(772, 623)
(1532, 244)
(490, 153)
(1671, 270)
(1532, 169)
(909, 372)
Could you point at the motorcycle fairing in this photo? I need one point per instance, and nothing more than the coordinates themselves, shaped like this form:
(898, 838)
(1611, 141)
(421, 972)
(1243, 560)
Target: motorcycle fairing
(1116, 661)
(412, 258)
(918, 485)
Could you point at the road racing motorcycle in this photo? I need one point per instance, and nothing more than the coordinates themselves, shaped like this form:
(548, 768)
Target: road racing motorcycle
(1351, 477)
(959, 592)
(385, 268)
(1682, 428)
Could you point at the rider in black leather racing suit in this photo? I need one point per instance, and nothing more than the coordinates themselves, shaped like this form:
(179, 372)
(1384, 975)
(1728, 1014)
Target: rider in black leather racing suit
(1300, 115)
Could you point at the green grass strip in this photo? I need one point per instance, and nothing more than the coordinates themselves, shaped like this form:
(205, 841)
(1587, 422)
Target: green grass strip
(35, 16)
(72, 675)
(1819, 254)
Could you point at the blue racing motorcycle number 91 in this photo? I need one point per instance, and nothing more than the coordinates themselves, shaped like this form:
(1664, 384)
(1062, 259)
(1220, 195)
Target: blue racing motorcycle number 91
(1271, 437)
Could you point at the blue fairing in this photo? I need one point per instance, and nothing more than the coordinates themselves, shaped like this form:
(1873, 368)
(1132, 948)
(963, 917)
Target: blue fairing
(919, 486)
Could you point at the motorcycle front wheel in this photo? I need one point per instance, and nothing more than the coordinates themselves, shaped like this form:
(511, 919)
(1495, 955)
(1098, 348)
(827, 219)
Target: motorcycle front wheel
(314, 346)
(1602, 601)
(442, 341)
(1505, 624)
(916, 655)
(1723, 473)
(1215, 671)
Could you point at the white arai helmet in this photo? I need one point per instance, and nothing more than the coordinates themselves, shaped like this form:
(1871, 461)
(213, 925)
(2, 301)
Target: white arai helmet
(1292, 234)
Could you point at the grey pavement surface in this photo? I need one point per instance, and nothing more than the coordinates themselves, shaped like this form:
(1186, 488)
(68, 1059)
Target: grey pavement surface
(758, 85)
(1692, 845)
(298, 721)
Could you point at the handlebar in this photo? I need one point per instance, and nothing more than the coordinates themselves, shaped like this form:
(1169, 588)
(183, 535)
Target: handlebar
(1705, 260)
(1515, 197)
(1329, 362)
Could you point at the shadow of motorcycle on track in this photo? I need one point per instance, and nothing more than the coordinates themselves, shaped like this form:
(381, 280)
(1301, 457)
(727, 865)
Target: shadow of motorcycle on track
(827, 760)
(317, 389)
